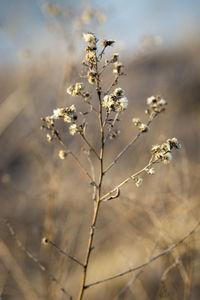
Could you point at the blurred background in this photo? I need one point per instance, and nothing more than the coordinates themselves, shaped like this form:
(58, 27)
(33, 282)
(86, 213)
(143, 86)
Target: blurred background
(41, 49)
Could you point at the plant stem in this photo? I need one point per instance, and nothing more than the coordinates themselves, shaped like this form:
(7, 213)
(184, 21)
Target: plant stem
(98, 202)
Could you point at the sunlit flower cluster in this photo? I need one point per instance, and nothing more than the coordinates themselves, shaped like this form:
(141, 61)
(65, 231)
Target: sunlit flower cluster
(73, 129)
(156, 104)
(91, 57)
(163, 152)
(160, 153)
(75, 89)
(88, 37)
(117, 70)
(116, 101)
(141, 126)
(68, 114)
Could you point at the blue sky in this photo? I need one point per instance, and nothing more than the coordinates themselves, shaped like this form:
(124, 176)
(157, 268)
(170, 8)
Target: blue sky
(23, 25)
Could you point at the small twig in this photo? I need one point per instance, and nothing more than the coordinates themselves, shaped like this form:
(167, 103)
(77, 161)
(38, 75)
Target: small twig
(114, 196)
(76, 159)
(123, 291)
(113, 83)
(129, 144)
(105, 198)
(163, 253)
(47, 241)
(89, 145)
(89, 103)
(101, 53)
(93, 176)
(111, 126)
(104, 67)
(106, 119)
(132, 280)
(35, 259)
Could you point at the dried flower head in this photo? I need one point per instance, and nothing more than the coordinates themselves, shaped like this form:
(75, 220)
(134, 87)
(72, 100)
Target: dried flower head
(121, 104)
(106, 43)
(57, 113)
(143, 127)
(150, 171)
(88, 37)
(155, 149)
(75, 89)
(115, 57)
(167, 157)
(45, 241)
(92, 76)
(136, 121)
(118, 92)
(49, 137)
(73, 129)
(138, 181)
(108, 103)
(156, 104)
(90, 57)
(174, 143)
(163, 152)
(114, 134)
(117, 68)
(62, 154)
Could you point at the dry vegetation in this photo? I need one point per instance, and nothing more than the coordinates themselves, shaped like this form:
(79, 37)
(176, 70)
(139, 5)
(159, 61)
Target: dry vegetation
(42, 195)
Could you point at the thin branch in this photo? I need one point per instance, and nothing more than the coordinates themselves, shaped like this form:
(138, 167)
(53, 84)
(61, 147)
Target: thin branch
(35, 259)
(132, 280)
(106, 197)
(93, 176)
(101, 53)
(111, 126)
(163, 253)
(113, 83)
(104, 67)
(89, 145)
(47, 241)
(123, 291)
(89, 103)
(75, 158)
(129, 144)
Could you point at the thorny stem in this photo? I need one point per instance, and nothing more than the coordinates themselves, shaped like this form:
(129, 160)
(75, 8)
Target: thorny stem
(163, 253)
(98, 196)
(129, 145)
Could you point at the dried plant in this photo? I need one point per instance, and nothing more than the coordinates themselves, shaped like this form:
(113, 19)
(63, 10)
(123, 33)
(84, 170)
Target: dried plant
(108, 106)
